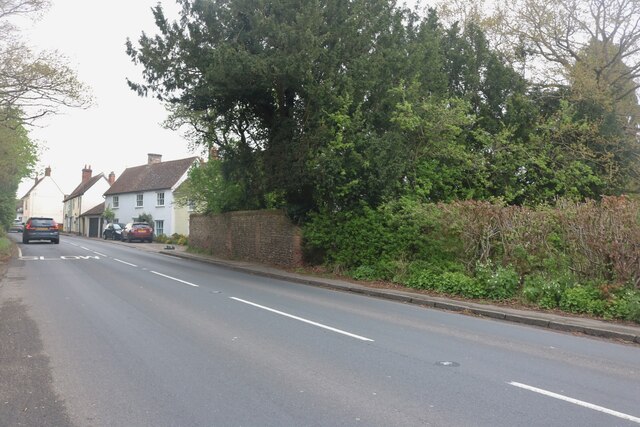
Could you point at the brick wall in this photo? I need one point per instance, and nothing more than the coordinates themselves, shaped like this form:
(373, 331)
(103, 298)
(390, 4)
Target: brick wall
(267, 237)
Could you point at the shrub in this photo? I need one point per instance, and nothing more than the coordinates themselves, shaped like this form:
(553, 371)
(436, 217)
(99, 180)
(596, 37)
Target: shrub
(582, 299)
(543, 291)
(498, 283)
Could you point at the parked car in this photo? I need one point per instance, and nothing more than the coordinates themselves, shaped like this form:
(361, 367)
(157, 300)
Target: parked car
(137, 231)
(16, 227)
(38, 228)
(112, 231)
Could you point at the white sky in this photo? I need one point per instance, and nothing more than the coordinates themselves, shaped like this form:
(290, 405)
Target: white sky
(120, 128)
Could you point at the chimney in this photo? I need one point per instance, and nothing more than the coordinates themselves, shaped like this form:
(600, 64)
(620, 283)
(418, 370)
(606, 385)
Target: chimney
(154, 158)
(36, 179)
(112, 178)
(47, 171)
(86, 173)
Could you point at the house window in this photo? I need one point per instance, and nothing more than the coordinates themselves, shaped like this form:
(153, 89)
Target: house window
(160, 199)
(116, 202)
(139, 200)
(159, 227)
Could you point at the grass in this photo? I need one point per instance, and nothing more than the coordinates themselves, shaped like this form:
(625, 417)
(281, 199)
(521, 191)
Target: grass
(5, 248)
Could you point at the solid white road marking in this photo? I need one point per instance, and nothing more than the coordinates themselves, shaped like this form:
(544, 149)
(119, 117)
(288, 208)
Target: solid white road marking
(577, 402)
(124, 262)
(86, 249)
(173, 278)
(320, 325)
(98, 253)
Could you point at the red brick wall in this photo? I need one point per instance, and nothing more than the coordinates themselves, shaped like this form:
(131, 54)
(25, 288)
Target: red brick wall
(266, 237)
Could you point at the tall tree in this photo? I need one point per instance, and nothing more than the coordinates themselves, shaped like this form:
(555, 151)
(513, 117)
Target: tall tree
(34, 84)
(261, 79)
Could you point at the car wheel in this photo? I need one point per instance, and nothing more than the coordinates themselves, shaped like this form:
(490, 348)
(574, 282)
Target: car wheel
(104, 236)
(56, 241)
(25, 241)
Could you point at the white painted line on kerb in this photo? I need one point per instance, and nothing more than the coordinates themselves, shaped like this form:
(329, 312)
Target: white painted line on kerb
(291, 316)
(577, 402)
(173, 278)
(124, 262)
(19, 252)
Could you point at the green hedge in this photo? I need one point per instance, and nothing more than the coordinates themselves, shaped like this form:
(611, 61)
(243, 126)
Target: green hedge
(577, 257)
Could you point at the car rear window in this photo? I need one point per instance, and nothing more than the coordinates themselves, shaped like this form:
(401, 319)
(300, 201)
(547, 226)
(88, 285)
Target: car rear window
(42, 222)
(140, 226)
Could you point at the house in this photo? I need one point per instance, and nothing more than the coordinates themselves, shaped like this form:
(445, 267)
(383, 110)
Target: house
(150, 189)
(86, 195)
(43, 199)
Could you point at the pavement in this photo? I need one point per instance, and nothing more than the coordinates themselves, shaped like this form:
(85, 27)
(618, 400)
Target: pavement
(623, 332)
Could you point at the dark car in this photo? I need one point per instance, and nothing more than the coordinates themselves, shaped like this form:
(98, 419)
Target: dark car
(137, 231)
(113, 232)
(38, 228)
(16, 227)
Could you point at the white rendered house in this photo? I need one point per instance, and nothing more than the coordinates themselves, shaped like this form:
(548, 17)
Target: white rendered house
(150, 189)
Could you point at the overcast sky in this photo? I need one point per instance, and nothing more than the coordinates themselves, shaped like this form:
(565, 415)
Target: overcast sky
(121, 128)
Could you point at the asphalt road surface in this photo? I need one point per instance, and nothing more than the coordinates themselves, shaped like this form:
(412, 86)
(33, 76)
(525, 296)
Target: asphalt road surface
(101, 334)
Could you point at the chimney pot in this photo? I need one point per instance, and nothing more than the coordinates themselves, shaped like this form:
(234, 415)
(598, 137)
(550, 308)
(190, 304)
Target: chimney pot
(112, 178)
(154, 158)
(47, 171)
(86, 173)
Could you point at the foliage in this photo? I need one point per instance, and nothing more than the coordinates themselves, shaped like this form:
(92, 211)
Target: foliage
(145, 217)
(174, 239)
(32, 85)
(108, 214)
(208, 189)
(17, 159)
(5, 246)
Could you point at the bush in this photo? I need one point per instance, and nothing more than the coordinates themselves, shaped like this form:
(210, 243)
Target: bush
(543, 291)
(498, 283)
(582, 299)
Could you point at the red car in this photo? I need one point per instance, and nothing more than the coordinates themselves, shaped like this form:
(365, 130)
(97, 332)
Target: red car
(137, 231)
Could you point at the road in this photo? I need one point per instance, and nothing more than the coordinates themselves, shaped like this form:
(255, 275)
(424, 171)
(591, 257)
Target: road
(118, 336)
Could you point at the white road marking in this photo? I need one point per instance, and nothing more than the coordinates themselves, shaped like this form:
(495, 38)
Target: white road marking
(98, 253)
(320, 325)
(577, 402)
(86, 249)
(124, 262)
(177, 280)
(19, 252)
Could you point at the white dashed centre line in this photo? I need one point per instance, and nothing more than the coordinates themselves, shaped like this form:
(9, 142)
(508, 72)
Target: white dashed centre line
(177, 280)
(124, 262)
(98, 253)
(310, 322)
(577, 402)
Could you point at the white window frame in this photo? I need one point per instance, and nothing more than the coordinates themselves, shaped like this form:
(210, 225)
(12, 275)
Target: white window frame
(160, 198)
(116, 202)
(140, 200)
(159, 227)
